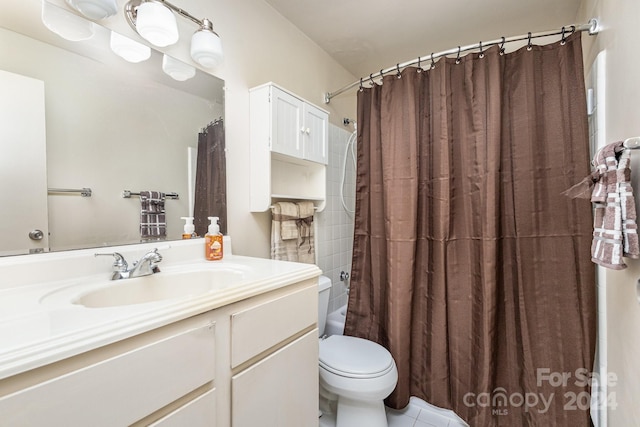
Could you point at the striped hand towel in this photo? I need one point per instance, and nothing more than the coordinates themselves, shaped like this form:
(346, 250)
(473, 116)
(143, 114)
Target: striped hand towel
(153, 223)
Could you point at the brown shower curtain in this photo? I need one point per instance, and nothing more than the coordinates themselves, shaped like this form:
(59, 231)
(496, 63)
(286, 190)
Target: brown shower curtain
(211, 178)
(468, 264)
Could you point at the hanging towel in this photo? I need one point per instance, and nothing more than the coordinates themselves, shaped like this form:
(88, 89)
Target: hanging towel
(306, 251)
(287, 217)
(292, 232)
(153, 223)
(615, 233)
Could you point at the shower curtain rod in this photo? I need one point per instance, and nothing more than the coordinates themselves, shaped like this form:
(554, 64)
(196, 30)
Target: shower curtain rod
(591, 27)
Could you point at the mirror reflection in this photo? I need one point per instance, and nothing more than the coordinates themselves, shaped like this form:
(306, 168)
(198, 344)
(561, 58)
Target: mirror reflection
(76, 116)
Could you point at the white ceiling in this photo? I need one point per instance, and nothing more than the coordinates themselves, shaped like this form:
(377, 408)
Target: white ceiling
(366, 36)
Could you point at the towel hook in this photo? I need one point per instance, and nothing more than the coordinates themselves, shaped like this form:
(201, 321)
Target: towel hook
(458, 57)
(502, 46)
(481, 51)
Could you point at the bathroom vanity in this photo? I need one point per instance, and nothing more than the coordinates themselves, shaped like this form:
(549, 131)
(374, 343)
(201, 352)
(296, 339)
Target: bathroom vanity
(237, 347)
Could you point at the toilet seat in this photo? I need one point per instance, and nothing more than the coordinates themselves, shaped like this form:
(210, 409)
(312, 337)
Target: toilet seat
(353, 357)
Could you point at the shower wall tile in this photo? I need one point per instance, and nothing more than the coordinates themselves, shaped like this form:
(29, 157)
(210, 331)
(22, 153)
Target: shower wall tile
(334, 238)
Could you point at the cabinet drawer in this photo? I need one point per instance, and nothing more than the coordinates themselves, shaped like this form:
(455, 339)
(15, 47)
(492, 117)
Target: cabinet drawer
(265, 325)
(123, 388)
(200, 412)
(281, 389)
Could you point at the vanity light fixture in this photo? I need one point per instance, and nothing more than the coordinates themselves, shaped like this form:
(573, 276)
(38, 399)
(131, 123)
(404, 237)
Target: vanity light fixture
(66, 24)
(155, 21)
(177, 70)
(127, 49)
(206, 46)
(156, 24)
(95, 9)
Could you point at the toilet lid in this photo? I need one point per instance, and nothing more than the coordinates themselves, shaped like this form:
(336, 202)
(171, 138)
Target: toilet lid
(354, 357)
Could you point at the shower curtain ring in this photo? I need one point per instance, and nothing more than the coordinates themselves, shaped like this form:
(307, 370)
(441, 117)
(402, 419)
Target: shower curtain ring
(433, 63)
(371, 79)
(381, 76)
(564, 39)
(529, 47)
(419, 70)
(481, 52)
(398, 75)
(361, 88)
(458, 57)
(502, 46)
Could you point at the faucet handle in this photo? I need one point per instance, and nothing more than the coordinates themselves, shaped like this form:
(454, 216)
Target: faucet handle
(156, 257)
(119, 264)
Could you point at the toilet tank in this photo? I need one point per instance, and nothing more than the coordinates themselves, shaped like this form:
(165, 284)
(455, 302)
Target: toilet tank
(324, 290)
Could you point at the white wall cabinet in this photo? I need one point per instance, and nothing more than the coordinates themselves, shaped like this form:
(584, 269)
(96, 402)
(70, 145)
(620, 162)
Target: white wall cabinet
(289, 148)
(298, 128)
(254, 362)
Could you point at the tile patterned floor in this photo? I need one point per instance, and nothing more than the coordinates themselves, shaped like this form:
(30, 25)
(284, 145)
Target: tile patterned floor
(417, 414)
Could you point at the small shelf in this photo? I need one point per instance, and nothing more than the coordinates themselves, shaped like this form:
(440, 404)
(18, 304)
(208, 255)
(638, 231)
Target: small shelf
(289, 197)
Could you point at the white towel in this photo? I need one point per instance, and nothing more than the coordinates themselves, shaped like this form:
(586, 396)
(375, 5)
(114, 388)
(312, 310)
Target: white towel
(299, 244)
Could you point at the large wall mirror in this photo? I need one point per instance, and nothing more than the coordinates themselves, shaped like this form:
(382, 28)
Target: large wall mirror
(74, 115)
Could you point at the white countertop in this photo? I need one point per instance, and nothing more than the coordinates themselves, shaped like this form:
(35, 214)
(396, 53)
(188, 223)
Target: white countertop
(41, 324)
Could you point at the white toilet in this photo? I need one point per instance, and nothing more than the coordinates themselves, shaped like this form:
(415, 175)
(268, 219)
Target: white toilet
(355, 372)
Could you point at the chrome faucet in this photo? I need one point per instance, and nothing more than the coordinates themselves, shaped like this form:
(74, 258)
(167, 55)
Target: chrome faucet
(146, 266)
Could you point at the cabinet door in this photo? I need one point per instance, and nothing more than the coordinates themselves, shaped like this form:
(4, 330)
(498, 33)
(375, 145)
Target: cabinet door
(281, 389)
(316, 126)
(286, 131)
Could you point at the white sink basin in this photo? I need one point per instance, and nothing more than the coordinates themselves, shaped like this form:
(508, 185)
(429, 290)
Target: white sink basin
(159, 287)
(146, 289)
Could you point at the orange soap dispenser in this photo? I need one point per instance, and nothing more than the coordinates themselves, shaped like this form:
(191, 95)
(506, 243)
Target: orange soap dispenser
(213, 241)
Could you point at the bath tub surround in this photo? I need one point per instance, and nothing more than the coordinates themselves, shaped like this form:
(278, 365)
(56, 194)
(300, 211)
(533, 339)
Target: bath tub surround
(60, 312)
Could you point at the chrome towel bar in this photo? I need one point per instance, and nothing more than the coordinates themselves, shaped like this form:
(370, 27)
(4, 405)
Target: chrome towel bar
(84, 192)
(126, 194)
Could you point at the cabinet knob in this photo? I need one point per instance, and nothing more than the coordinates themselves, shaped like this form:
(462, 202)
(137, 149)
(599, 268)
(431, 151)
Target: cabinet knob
(36, 234)
(308, 131)
(302, 130)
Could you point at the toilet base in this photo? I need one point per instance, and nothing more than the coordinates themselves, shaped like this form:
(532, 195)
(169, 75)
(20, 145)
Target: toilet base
(368, 413)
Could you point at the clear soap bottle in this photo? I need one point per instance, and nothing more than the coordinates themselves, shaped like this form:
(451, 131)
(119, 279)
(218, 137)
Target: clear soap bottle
(189, 228)
(213, 241)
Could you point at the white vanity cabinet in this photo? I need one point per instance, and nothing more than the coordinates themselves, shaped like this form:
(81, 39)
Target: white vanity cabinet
(289, 148)
(274, 358)
(253, 362)
(122, 383)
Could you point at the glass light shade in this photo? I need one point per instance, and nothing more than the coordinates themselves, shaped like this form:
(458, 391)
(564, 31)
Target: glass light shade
(178, 70)
(157, 24)
(129, 50)
(66, 24)
(95, 9)
(206, 48)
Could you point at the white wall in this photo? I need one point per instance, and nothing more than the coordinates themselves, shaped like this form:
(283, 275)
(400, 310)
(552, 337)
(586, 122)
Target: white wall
(620, 38)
